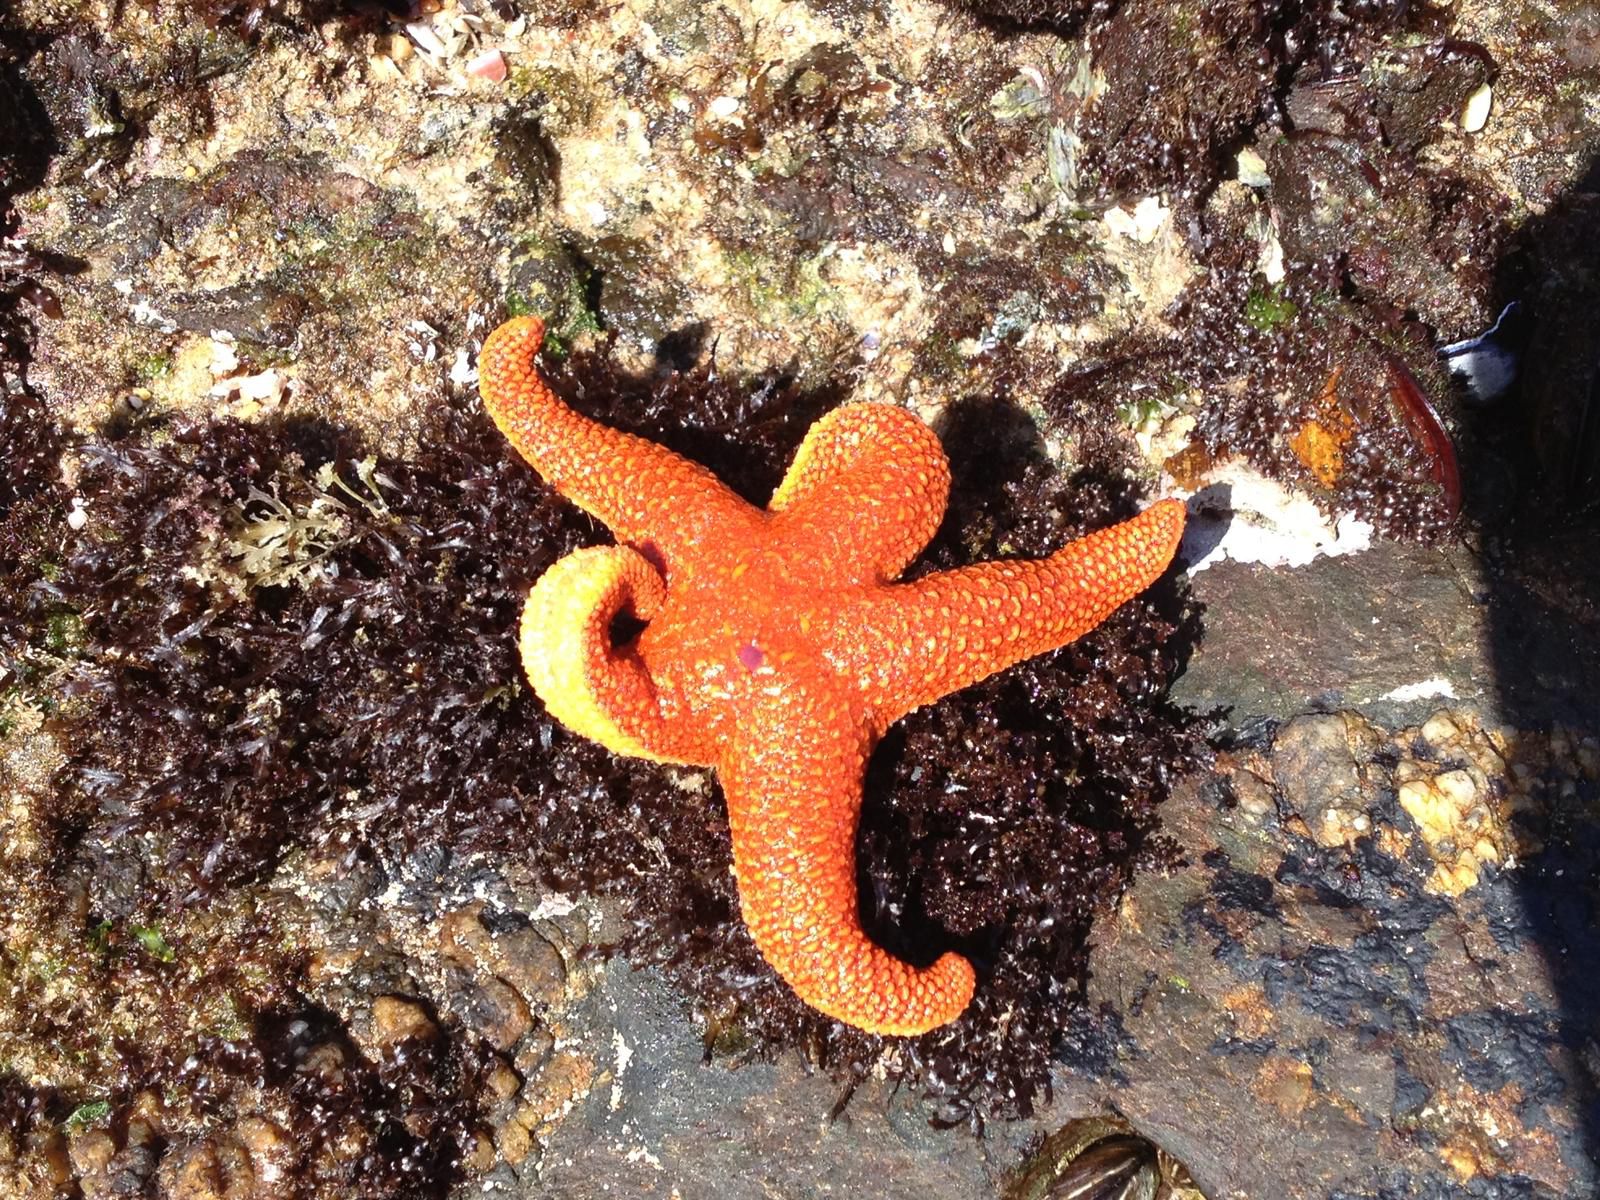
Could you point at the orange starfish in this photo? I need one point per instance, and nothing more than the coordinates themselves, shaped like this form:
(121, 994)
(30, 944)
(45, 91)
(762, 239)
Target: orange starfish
(778, 649)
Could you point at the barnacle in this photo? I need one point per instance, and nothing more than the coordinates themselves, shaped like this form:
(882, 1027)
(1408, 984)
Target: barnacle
(1101, 1158)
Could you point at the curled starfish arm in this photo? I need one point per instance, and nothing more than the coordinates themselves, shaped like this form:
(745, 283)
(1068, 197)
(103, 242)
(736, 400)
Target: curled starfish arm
(881, 465)
(591, 686)
(647, 494)
(793, 780)
(778, 647)
(922, 640)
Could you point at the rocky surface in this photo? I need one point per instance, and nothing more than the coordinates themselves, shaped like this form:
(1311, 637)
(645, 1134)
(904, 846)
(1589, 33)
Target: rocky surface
(1209, 247)
(1353, 977)
(1347, 990)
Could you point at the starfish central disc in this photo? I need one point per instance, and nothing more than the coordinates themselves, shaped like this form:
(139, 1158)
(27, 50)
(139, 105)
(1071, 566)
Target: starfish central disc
(778, 647)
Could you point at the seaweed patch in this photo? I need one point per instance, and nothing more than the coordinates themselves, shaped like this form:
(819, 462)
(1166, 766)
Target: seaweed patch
(279, 641)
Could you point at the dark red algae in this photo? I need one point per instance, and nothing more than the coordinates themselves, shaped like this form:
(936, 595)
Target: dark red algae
(225, 700)
(252, 17)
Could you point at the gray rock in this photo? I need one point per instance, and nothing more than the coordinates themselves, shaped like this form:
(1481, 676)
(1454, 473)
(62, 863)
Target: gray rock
(1341, 632)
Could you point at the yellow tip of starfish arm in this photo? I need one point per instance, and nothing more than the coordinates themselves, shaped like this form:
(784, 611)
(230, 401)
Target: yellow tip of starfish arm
(588, 685)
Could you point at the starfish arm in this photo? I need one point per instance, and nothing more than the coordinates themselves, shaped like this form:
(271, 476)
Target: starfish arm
(646, 494)
(864, 494)
(594, 688)
(919, 641)
(793, 779)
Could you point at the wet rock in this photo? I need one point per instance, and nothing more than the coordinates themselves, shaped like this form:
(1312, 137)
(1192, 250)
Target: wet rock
(267, 312)
(669, 1114)
(490, 1008)
(463, 937)
(396, 1020)
(1421, 241)
(131, 1171)
(535, 1051)
(513, 1142)
(325, 1061)
(341, 888)
(516, 952)
(1409, 93)
(563, 1081)
(206, 1170)
(374, 965)
(1289, 1018)
(133, 231)
(1309, 989)
(280, 250)
(113, 1158)
(532, 965)
(550, 281)
(502, 1082)
(1342, 632)
(528, 156)
(271, 1150)
(1317, 763)
(44, 1155)
(1253, 795)
(1472, 795)
(89, 1152)
(116, 881)
(996, 298)
(479, 1155)
(633, 297)
(128, 1175)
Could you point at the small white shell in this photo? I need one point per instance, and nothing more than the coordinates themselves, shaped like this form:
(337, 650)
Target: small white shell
(427, 40)
(1252, 169)
(1475, 112)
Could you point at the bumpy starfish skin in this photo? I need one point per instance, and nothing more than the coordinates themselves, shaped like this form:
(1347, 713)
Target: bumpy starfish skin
(778, 649)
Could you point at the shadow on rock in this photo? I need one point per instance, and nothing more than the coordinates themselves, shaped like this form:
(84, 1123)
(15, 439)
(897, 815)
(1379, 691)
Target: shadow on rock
(1532, 461)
